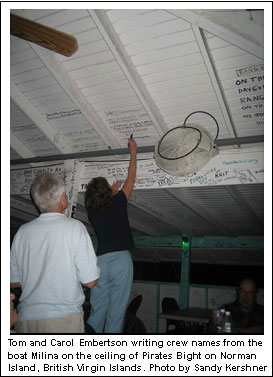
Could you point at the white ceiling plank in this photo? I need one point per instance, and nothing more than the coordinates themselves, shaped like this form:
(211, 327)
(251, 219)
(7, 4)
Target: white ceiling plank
(64, 16)
(215, 82)
(21, 56)
(90, 48)
(17, 44)
(87, 36)
(111, 96)
(161, 42)
(38, 119)
(236, 62)
(137, 201)
(227, 52)
(30, 75)
(246, 207)
(105, 88)
(95, 70)
(165, 54)
(189, 100)
(88, 61)
(116, 104)
(48, 99)
(236, 37)
(214, 42)
(19, 147)
(53, 19)
(142, 21)
(204, 214)
(167, 65)
(91, 81)
(177, 93)
(180, 83)
(129, 70)
(76, 96)
(37, 84)
(151, 32)
(77, 26)
(119, 14)
(26, 66)
(43, 91)
(163, 212)
(180, 73)
(186, 109)
(34, 14)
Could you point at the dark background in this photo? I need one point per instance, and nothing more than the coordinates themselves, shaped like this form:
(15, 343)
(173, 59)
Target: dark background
(207, 274)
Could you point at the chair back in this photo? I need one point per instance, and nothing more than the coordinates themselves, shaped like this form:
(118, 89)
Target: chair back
(169, 304)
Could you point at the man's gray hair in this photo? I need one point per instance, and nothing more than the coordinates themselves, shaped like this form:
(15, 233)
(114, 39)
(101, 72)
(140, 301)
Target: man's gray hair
(46, 191)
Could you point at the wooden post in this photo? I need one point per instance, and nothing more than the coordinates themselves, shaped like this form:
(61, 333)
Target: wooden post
(185, 273)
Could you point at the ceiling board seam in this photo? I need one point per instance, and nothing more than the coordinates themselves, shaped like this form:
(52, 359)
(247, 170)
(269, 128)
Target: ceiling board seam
(161, 49)
(21, 82)
(66, 23)
(182, 87)
(41, 87)
(91, 65)
(171, 59)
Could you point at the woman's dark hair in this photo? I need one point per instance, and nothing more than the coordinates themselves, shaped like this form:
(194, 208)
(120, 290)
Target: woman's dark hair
(98, 194)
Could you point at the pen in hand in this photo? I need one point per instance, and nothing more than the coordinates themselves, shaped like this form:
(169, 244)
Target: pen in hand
(131, 138)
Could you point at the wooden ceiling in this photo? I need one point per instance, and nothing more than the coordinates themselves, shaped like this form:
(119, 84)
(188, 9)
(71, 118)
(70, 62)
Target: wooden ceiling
(143, 71)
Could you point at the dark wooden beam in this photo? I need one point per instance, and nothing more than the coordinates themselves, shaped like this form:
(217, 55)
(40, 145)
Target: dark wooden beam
(44, 36)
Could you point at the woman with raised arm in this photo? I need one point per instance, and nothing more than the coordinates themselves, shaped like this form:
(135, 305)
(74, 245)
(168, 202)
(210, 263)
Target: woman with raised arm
(107, 211)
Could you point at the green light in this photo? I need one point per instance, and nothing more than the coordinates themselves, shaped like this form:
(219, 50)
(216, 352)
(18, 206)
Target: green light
(185, 241)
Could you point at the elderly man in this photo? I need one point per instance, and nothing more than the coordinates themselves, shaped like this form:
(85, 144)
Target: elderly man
(51, 257)
(247, 316)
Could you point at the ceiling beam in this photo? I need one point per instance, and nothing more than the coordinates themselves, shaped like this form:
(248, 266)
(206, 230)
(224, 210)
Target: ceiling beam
(39, 121)
(216, 83)
(122, 151)
(115, 45)
(44, 36)
(212, 23)
(54, 65)
(65, 81)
